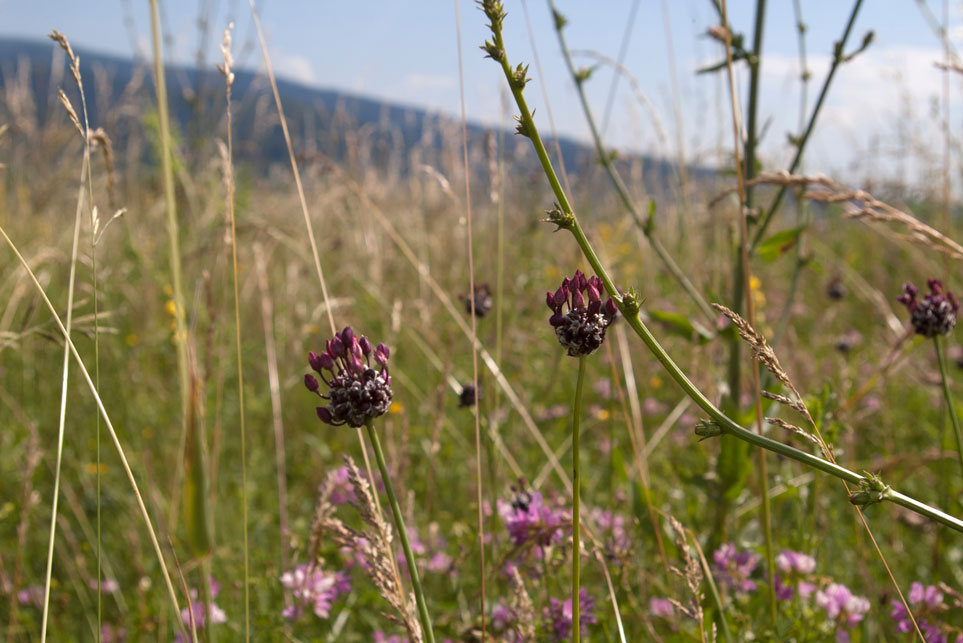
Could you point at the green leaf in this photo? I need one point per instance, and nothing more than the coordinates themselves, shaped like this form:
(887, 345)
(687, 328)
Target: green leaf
(682, 326)
(777, 245)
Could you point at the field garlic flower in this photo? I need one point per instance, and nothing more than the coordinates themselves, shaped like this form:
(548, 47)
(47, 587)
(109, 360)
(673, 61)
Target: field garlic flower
(580, 330)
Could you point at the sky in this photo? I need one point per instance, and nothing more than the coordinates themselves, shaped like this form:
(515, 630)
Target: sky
(882, 117)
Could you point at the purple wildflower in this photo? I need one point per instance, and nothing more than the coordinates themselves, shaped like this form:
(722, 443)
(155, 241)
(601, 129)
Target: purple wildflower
(112, 633)
(32, 596)
(927, 603)
(196, 609)
(935, 313)
(842, 607)
(581, 330)
(735, 567)
(313, 588)
(559, 613)
(438, 561)
(661, 608)
(794, 567)
(617, 540)
(357, 392)
(339, 481)
(528, 519)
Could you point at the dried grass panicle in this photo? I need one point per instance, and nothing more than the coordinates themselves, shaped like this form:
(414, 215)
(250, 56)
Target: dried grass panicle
(99, 138)
(793, 429)
(691, 573)
(71, 112)
(376, 548)
(860, 205)
(760, 348)
(522, 607)
(61, 40)
(226, 67)
(795, 405)
(373, 544)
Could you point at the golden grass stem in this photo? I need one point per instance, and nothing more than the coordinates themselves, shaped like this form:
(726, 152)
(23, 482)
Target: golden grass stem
(480, 495)
(71, 282)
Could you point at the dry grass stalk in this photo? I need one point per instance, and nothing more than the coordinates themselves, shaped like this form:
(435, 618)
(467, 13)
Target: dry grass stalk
(761, 350)
(796, 405)
(691, 573)
(374, 545)
(860, 205)
(793, 429)
(521, 605)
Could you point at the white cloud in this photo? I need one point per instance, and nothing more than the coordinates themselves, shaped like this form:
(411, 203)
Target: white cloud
(294, 67)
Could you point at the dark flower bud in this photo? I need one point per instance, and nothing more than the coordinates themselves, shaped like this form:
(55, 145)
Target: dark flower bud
(593, 294)
(706, 429)
(482, 299)
(577, 300)
(315, 361)
(324, 415)
(611, 308)
(337, 347)
(550, 300)
(467, 396)
(347, 336)
(365, 345)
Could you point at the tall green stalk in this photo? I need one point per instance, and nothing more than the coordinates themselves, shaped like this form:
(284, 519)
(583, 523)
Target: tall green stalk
(644, 224)
(629, 304)
(948, 396)
(423, 615)
(576, 502)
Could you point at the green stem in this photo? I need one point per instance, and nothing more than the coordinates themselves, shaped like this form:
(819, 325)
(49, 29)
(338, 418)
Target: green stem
(838, 59)
(576, 482)
(631, 313)
(944, 377)
(402, 534)
(606, 160)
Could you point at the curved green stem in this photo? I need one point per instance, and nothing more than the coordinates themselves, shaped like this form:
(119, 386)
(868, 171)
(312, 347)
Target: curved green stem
(402, 534)
(630, 311)
(944, 378)
(576, 482)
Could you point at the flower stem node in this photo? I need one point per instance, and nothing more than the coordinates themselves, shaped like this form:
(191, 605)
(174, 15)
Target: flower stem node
(706, 429)
(581, 329)
(561, 219)
(872, 489)
(631, 303)
(356, 391)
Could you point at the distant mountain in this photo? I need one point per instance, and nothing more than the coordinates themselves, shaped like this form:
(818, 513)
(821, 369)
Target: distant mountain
(325, 121)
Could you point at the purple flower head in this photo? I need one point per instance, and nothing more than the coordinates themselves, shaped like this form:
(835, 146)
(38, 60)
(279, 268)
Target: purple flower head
(356, 391)
(559, 615)
(794, 568)
(215, 615)
(842, 607)
(31, 595)
(735, 567)
(434, 550)
(339, 482)
(483, 300)
(617, 541)
(927, 604)
(581, 329)
(935, 313)
(528, 519)
(661, 607)
(313, 588)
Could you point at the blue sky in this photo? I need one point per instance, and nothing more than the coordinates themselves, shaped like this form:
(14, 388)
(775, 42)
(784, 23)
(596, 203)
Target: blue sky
(407, 52)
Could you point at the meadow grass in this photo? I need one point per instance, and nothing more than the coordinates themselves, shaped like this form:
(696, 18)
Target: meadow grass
(238, 507)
